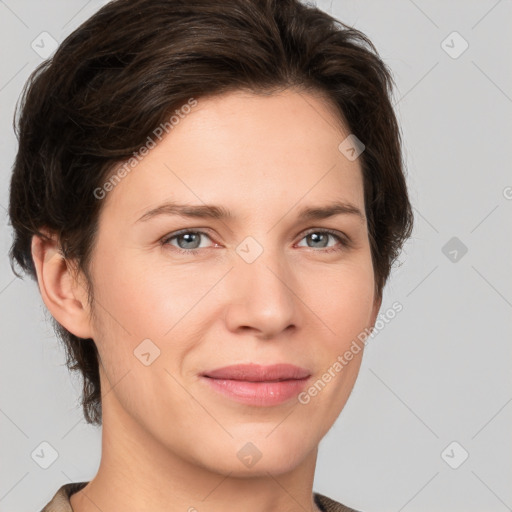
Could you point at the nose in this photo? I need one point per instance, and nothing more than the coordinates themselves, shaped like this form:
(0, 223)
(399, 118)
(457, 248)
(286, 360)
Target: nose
(261, 299)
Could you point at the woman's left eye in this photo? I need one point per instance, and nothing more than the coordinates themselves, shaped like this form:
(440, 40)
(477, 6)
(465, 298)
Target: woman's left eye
(321, 237)
(188, 241)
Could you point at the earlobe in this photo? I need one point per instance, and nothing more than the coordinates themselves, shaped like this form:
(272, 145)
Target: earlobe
(65, 298)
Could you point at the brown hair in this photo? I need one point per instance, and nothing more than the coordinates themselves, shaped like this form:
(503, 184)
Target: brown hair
(127, 68)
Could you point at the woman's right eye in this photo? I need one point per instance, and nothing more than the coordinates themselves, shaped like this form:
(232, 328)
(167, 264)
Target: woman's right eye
(188, 242)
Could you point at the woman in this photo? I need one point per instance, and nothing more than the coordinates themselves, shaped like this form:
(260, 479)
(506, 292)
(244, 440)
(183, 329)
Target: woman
(211, 196)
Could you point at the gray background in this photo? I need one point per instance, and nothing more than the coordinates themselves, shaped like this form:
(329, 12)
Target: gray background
(439, 372)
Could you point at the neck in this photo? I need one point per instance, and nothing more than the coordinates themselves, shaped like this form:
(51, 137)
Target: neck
(137, 472)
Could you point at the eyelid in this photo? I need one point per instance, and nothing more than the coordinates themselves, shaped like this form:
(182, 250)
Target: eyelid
(173, 234)
(333, 232)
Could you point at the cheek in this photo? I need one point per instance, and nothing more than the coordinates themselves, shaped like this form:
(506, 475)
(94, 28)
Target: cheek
(143, 299)
(342, 299)
(343, 305)
(162, 303)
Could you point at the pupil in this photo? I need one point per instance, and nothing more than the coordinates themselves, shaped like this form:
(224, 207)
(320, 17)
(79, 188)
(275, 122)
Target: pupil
(317, 236)
(187, 242)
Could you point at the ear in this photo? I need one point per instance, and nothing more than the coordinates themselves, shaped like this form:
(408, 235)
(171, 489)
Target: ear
(64, 296)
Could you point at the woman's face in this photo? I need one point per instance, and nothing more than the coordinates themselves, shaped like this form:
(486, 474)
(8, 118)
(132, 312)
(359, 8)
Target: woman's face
(262, 285)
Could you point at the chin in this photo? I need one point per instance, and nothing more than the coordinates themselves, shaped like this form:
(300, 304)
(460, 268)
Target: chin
(255, 455)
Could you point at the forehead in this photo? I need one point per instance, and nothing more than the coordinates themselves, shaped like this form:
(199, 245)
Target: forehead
(245, 151)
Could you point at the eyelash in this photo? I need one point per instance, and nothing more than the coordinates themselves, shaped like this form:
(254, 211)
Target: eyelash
(344, 242)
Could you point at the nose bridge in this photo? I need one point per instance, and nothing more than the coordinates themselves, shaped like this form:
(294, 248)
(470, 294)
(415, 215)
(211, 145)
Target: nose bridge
(263, 282)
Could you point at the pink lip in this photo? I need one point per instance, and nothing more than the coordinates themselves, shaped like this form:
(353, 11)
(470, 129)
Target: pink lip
(258, 385)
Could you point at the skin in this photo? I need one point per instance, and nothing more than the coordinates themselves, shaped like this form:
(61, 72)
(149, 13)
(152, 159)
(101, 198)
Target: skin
(169, 442)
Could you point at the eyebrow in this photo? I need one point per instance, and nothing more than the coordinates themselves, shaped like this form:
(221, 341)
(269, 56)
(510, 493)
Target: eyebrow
(221, 213)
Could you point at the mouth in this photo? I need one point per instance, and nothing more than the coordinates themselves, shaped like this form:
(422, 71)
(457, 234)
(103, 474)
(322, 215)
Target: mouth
(258, 385)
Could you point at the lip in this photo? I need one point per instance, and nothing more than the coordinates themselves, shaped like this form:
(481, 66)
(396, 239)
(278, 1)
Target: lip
(256, 384)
